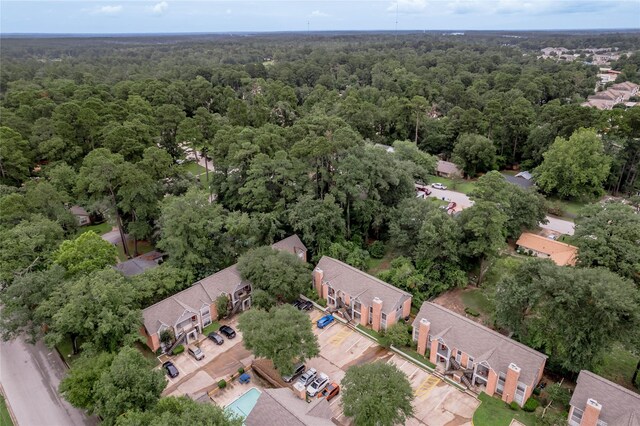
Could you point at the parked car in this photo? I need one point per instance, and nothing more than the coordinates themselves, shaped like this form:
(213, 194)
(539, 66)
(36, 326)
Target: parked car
(325, 321)
(195, 352)
(218, 340)
(171, 369)
(297, 303)
(318, 385)
(330, 391)
(308, 377)
(228, 332)
(438, 185)
(297, 370)
(305, 306)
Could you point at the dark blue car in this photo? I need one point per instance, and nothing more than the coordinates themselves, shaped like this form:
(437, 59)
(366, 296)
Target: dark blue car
(325, 321)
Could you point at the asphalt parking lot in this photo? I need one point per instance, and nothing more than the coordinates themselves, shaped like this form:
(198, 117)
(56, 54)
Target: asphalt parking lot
(436, 402)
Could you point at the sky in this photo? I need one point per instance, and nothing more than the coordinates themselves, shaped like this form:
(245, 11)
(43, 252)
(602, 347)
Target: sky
(213, 16)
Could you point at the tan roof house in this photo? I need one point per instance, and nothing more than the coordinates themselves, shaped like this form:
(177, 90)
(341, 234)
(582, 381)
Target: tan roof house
(448, 169)
(82, 216)
(598, 402)
(360, 296)
(562, 254)
(187, 313)
(281, 407)
(477, 356)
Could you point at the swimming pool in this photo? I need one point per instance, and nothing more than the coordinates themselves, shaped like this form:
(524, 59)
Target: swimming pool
(245, 402)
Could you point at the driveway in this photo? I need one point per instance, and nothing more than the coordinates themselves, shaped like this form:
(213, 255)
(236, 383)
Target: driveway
(463, 201)
(30, 375)
(113, 236)
(436, 402)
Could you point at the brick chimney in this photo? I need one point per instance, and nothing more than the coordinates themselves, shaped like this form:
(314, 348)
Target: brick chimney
(377, 314)
(591, 413)
(511, 383)
(318, 275)
(423, 334)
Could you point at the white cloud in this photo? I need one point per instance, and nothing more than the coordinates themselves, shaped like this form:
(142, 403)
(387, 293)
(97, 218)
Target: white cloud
(160, 8)
(498, 7)
(318, 14)
(228, 11)
(106, 10)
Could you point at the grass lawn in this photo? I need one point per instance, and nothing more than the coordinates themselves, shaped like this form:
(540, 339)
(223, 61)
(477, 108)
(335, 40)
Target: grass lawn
(143, 247)
(146, 352)
(477, 300)
(368, 331)
(378, 265)
(415, 355)
(5, 418)
(193, 168)
(495, 412)
(99, 229)
(618, 366)
(460, 185)
(214, 326)
(570, 208)
(66, 348)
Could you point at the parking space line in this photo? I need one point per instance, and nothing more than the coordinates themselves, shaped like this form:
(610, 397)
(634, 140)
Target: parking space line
(326, 329)
(194, 363)
(340, 337)
(355, 343)
(426, 387)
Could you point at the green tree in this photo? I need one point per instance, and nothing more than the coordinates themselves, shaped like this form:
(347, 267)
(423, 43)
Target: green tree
(86, 254)
(574, 168)
(27, 247)
(130, 383)
(99, 309)
(14, 157)
(78, 385)
(573, 315)
(377, 393)
(192, 233)
(283, 335)
(281, 275)
(179, 411)
(21, 299)
(222, 306)
(483, 233)
(524, 208)
(421, 164)
(475, 154)
(318, 221)
(156, 284)
(350, 253)
(608, 236)
(407, 220)
(397, 335)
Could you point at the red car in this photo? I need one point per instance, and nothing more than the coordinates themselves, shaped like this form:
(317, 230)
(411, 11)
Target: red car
(330, 391)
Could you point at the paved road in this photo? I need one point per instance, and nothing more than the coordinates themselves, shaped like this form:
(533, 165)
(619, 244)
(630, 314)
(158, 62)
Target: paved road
(555, 224)
(30, 375)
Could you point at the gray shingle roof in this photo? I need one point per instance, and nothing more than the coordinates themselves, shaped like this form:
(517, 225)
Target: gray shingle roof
(281, 407)
(291, 244)
(520, 181)
(448, 167)
(365, 287)
(480, 342)
(78, 211)
(135, 266)
(205, 291)
(620, 406)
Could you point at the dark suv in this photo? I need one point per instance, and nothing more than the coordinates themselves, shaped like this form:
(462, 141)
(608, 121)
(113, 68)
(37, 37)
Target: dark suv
(228, 332)
(171, 369)
(297, 370)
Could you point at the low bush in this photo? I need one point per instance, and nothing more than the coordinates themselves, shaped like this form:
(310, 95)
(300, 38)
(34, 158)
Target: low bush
(322, 302)
(536, 391)
(377, 250)
(531, 405)
(222, 384)
(514, 405)
(240, 370)
(178, 350)
(471, 312)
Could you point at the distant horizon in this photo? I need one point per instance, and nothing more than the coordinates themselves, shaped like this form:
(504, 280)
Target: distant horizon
(449, 31)
(110, 17)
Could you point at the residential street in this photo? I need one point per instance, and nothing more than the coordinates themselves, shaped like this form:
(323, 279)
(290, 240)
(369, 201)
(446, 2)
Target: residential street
(30, 376)
(555, 224)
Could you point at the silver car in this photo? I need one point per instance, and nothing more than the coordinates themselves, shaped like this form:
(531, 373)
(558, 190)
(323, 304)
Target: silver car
(196, 353)
(308, 377)
(297, 370)
(318, 385)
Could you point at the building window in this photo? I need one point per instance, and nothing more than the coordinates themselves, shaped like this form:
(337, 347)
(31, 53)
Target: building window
(500, 387)
(470, 362)
(576, 417)
(370, 314)
(458, 355)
